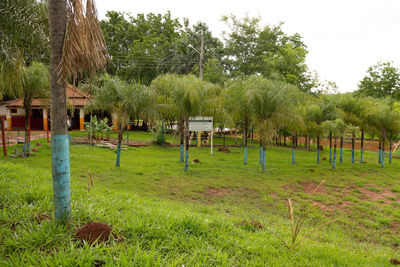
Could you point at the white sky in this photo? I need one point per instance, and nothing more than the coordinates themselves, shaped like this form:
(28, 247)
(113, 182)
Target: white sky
(344, 37)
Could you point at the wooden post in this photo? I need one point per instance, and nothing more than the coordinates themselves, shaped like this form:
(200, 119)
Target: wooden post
(3, 136)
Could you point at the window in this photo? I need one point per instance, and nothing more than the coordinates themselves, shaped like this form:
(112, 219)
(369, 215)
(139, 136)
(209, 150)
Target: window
(14, 110)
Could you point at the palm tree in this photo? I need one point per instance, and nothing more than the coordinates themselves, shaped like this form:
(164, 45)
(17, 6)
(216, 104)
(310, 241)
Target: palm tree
(36, 83)
(385, 117)
(120, 99)
(336, 129)
(182, 97)
(352, 130)
(23, 37)
(75, 51)
(266, 100)
(168, 106)
(238, 103)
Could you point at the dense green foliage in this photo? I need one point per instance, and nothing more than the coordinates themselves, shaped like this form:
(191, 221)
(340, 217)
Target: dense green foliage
(382, 80)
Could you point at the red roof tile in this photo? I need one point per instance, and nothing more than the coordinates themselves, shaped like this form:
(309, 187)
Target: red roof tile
(76, 97)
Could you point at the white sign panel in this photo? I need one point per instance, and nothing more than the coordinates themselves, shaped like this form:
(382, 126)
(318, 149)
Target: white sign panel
(200, 124)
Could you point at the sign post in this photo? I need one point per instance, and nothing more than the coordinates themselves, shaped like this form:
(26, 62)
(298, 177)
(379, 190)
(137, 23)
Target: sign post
(202, 124)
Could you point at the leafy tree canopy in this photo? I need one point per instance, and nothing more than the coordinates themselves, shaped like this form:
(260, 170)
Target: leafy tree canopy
(381, 80)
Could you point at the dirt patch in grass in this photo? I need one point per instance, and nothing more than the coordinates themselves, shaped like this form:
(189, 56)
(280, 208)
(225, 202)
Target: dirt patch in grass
(41, 217)
(253, 224)
(378, 196)
(323, 206)
(226, 191)
(224, 149)
(309, 188)
(94, 232)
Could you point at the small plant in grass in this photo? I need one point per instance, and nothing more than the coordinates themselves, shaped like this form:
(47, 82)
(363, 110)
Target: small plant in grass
(157, 133)
(298, 222)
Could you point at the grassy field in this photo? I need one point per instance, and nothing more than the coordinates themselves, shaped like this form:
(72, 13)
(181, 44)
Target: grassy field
(161, 215)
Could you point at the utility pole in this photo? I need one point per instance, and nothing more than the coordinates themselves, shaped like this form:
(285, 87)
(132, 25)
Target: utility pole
(201, 56)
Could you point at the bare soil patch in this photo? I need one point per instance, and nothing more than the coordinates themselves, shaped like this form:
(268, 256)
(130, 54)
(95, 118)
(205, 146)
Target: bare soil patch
(378, 196)
(224, 149)
(94, 232)
(309, 188)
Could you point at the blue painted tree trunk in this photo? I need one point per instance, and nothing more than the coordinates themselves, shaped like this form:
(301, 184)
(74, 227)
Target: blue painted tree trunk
(352, 156)
(380, 152)
(334, 155)
(181, 153)
(293, 155)
(187, 160)
(61, 177)
(390, 151)
(118, 161)
(263, 160)
(341, 155)
(245, 156)
(261, 155)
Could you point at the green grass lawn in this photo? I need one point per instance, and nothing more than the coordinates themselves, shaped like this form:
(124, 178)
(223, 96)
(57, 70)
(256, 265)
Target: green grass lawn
(161, 215)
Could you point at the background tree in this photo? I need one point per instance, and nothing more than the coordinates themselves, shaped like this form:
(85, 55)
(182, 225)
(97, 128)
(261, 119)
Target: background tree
(23, 38)
(121, 100)
(381, 80)
(36, 83)
(253, 49)
(385, 117)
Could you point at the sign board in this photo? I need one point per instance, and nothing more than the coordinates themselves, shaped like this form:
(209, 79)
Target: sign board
(200, 124)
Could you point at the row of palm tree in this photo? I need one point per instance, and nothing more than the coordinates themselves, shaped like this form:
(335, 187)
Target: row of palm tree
(270, 107)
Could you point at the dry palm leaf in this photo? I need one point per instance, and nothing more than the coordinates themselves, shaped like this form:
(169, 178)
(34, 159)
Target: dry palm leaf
(84, 50)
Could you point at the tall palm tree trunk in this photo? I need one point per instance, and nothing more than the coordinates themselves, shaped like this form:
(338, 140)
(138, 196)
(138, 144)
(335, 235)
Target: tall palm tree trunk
(380, 152)
(120, 135)
(341, 149)
(318, 150)
(59, 134)
(181, 134)
(352, 147)
(245, 141)
(284, 140)
(334, 154)
(27, 128)
(186, 144)
(362, 146)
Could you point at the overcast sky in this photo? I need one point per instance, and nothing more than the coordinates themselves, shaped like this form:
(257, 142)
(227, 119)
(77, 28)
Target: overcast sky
(344, 37)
